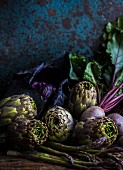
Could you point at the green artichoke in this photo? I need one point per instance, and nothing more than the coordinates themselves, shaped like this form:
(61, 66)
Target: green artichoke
(24, 134)
(96, 132)
(82, 96)
(16, 106)
(59, 122)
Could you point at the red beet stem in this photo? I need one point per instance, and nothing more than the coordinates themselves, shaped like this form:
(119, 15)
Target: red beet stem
(110, 95)
(107, 95)
(113, 103)
(115, 99)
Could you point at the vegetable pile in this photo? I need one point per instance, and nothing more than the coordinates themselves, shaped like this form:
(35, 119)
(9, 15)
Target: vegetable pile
(69, 111)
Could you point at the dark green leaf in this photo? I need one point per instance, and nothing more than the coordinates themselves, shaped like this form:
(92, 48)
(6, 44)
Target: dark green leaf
(92, 72)
(77, 66)
(115, 49)
(112, 41)
(120, 23)
(120, 78)
(107, 76)
(72, 74)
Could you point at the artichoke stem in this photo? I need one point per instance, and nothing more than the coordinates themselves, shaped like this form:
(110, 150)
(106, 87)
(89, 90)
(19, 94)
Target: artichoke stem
(113, 150)
(66, 148)
(92, 151)
(47, 158)
(57, 153)
(84, 156)
(62, 147)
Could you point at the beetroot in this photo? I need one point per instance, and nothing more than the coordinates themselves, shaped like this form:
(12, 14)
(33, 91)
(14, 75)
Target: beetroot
(93, 112)
(120, 141)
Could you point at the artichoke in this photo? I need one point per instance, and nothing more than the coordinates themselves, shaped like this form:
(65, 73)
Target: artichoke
(24, 134)
(96, 132)
(82, 96)
(59, 122)
(16, 106)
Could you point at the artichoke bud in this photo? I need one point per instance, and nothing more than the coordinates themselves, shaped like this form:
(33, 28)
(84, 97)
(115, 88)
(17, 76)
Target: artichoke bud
(8, 112)
(17, 105)
(82, 96)
(96, 132)
(2, 102)
(14, 103)
(59, 122)
(25, 134)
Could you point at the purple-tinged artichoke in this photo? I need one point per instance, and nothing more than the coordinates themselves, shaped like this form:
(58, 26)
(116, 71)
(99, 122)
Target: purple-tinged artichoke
(96, 132)
(118, 119)
(16, 106)
(82, 96)
(59, 122)
(25, 134)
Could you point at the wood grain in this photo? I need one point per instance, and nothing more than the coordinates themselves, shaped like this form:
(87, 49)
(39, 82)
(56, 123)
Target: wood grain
(12, 163)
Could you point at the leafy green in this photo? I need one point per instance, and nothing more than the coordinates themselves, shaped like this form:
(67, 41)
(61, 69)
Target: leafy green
(112, 43)
(120, 78)
(72, 74)
(92, 72)
(113, 46)
(120, 23)
(107, 76)
(113, 27)
(77, 66)
(115, 49)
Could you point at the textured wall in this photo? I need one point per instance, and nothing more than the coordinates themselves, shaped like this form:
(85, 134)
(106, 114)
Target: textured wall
(32, 31)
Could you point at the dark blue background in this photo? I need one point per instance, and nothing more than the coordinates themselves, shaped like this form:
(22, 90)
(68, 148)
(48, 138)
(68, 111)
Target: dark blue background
(32, 31)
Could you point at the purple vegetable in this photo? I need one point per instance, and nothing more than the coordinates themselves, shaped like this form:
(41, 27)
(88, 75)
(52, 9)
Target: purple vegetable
(45, 90)
(93, 112)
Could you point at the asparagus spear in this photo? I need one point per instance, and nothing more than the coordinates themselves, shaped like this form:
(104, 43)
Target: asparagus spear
(57, 153)
(48, 158)
(66, 148)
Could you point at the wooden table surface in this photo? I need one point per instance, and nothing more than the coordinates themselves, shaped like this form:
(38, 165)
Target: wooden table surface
(12, 163)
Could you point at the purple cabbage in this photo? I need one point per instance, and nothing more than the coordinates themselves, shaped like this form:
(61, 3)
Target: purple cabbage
(45, 90)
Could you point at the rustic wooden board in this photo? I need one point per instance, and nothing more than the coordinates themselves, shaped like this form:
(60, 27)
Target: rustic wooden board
(12, 163)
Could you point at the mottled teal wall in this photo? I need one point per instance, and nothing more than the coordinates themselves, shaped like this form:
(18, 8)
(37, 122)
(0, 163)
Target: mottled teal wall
(32, 31)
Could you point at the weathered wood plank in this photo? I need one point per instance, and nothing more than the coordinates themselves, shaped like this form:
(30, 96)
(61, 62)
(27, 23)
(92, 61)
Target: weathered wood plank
(12, 163)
